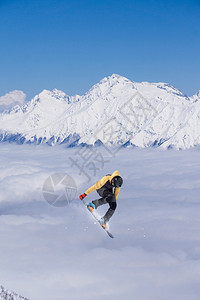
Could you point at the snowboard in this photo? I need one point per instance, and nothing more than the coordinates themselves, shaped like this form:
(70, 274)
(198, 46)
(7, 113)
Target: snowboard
(106, 230)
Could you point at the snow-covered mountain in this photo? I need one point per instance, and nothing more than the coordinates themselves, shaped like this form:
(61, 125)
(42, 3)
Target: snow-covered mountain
(114, 111)
(7, 295)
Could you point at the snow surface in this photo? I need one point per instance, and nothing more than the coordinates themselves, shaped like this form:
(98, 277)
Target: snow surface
(49, 253)
(143, 114)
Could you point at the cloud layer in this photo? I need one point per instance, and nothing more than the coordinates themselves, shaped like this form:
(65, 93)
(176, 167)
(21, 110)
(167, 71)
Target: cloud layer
(49, 253)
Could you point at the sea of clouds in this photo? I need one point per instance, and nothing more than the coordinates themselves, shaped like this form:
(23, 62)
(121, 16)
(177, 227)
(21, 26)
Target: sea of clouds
(57, 253)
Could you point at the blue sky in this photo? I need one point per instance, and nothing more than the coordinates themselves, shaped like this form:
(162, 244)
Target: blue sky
(71, 45)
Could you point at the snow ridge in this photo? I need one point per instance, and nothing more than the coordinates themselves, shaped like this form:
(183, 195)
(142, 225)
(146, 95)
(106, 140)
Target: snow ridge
(141, 114)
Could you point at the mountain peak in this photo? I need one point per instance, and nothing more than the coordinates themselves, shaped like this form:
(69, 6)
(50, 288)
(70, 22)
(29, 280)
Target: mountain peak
(196, 97)
(115, 78)
(5, 295)
(198, 94)
(52, 95)
(108, 85)
(53, 117)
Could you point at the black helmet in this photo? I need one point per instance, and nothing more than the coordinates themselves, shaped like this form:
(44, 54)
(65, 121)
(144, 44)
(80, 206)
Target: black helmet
(117, 181)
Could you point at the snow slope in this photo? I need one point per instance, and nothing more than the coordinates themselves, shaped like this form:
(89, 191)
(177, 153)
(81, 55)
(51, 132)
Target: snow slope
(143, 114)
(7, 295)
(49, 253)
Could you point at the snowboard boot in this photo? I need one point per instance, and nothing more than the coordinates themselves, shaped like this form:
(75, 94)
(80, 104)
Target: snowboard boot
(91, 207)
(103, 223)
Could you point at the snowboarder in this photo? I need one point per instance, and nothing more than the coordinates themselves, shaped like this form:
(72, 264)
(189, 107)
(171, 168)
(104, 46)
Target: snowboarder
(104, 188)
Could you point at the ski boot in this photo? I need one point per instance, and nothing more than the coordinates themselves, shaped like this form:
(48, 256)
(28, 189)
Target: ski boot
(91, 207)
(103, 223)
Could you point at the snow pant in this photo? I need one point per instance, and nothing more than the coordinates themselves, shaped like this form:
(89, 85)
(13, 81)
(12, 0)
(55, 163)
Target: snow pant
(107, 197)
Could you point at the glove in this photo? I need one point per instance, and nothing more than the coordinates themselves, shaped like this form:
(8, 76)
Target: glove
(82, 196)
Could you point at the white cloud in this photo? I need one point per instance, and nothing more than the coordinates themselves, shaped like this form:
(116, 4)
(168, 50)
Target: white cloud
(12, 98)
(50, 253)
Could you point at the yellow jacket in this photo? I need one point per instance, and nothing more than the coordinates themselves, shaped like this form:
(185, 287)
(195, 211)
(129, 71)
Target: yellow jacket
(102, 181)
